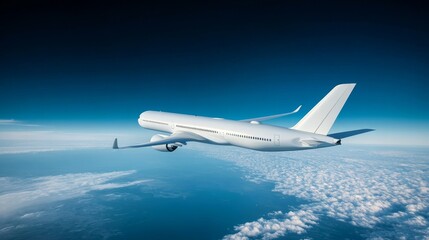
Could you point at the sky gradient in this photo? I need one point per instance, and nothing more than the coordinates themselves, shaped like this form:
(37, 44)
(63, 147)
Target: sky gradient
(75, 64)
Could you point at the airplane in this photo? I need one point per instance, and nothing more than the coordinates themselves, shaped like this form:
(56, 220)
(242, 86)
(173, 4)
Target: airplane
(311, 132)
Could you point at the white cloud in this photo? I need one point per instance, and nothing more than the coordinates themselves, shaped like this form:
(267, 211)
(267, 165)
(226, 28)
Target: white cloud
(295, 222)
(359, 186)
(17, 194)
(417, 221)
(32, 215)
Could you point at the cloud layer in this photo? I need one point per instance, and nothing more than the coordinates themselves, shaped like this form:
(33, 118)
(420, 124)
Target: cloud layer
(368, 188)
(17, 194)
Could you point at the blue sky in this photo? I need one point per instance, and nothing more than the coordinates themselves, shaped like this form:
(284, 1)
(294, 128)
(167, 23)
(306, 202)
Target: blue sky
(67, 64)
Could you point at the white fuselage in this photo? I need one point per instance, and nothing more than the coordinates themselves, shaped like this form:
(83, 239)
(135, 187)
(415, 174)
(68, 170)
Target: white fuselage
(242, 134)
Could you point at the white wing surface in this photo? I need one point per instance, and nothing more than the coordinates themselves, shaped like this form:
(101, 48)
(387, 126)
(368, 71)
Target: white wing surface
(178, 139)
(261, 119)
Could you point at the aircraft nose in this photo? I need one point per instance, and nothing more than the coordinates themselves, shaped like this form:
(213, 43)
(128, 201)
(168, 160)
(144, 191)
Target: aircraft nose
(140, 121)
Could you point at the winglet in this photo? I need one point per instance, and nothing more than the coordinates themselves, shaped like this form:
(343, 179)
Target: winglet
(115, 144)
(297, 109)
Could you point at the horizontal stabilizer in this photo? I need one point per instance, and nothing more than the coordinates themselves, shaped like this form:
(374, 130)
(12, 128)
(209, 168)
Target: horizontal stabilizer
(342, 135)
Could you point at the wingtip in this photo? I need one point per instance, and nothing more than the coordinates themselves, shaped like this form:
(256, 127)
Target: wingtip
(115, 144)
(346, 84)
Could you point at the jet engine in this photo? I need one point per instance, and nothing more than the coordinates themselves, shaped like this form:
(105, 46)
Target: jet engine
(162, 147)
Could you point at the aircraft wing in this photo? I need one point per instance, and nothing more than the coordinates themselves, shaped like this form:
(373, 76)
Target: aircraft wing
(260, 119)
(176, 139)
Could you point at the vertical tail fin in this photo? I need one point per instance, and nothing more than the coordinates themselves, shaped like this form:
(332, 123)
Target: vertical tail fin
(321, 118)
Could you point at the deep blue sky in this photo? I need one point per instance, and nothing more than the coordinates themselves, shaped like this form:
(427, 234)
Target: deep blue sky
(107, 62)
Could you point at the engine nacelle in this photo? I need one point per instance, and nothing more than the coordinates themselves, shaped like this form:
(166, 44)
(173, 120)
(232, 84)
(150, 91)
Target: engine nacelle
(162, 147)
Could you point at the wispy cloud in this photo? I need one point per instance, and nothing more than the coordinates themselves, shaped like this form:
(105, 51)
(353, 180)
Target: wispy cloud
(14, 122)
(17, 194)
(16, 137)
(41, 141)
(7, 121)
(362, 187)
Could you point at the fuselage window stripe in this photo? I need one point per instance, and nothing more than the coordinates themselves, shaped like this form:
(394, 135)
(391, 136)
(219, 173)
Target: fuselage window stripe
(150, 121)
(213, 131)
